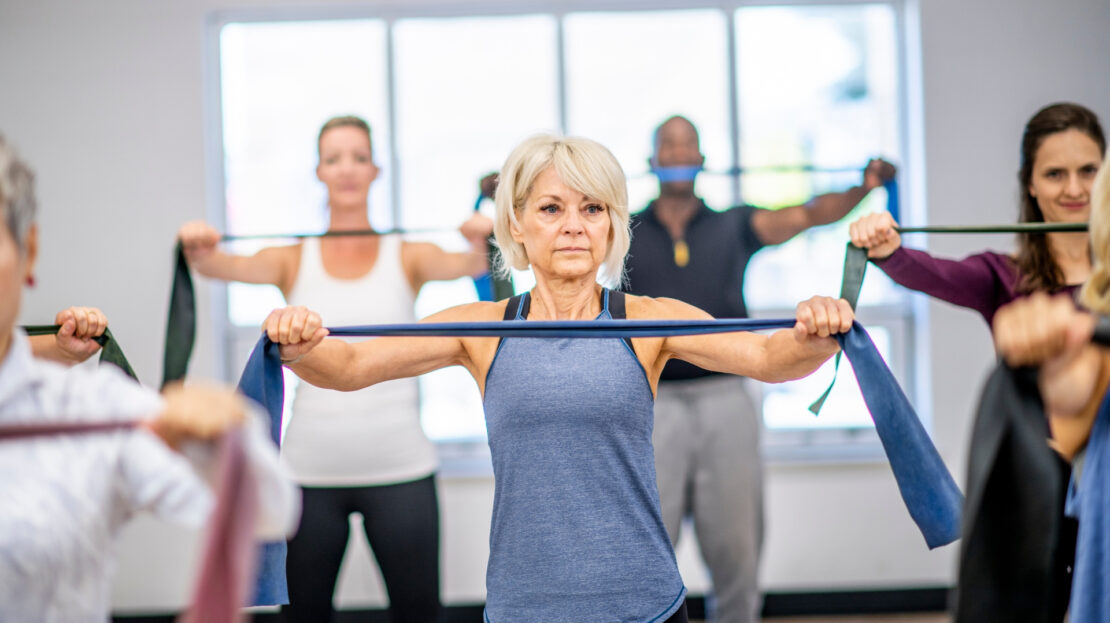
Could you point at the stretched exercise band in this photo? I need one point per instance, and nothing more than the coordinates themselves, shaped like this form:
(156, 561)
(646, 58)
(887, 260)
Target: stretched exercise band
(855, 260)
(110, 351)
(228, 559)
(928, 490)
(181, 320)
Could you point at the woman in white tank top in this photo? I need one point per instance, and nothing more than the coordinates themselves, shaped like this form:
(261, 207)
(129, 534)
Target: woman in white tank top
(381, 466)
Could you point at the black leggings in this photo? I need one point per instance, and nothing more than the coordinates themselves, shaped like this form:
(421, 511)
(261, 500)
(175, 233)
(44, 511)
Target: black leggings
(402, 527)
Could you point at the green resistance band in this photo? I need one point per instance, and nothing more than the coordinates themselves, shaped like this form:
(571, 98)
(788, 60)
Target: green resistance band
(855, 264)
(110, 352)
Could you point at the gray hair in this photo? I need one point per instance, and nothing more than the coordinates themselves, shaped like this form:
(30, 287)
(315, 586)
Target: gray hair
(585, 166)
(17, 194)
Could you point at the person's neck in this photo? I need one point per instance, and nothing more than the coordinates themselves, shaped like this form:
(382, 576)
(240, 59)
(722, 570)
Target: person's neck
(348, 217)
(6, 344)
(675, 210)
(1072, 254)
(557, 298)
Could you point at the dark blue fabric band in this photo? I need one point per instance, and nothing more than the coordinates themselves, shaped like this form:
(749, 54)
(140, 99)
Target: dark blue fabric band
(927, 488)
(263, 382)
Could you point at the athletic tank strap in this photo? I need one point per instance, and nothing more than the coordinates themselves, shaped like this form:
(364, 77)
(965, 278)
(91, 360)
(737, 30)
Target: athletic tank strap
(517, 307)
(617, 312)
(611, 300)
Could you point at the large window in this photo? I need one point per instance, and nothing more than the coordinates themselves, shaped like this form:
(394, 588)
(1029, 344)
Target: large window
(790, 100)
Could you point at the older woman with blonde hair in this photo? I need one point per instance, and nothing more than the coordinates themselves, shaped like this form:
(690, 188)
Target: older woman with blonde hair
(576, 532)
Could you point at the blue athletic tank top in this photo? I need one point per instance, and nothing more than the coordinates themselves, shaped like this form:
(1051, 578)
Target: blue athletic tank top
(577, 534)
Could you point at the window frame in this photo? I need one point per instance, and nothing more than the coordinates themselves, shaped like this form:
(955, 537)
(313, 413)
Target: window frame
(905, 321)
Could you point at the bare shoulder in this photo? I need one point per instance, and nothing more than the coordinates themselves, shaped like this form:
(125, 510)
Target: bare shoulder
(662, 308)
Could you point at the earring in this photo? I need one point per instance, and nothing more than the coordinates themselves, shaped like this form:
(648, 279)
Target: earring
(30, 281)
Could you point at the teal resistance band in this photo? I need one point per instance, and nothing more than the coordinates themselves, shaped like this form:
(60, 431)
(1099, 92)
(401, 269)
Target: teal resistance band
(855, 262)
(110, 351)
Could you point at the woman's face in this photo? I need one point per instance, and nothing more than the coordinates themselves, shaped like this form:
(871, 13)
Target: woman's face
(14, 270)
(1064, 170)
(346, 165)
(565, 233)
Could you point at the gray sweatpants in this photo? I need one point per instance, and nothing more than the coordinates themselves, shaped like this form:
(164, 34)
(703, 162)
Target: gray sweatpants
(708, 465)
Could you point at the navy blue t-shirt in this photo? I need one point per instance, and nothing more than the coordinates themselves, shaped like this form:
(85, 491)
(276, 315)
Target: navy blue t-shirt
(720, 243)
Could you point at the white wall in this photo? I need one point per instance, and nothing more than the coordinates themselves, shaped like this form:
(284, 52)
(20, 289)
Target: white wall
(105, 100)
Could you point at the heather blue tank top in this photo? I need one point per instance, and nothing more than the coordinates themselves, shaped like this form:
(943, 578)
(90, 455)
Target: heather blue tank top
(577, 534)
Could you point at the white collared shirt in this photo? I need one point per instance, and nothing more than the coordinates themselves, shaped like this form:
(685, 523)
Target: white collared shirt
(64, 498)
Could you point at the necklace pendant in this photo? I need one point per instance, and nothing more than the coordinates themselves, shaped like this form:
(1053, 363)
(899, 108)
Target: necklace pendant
(681, 253)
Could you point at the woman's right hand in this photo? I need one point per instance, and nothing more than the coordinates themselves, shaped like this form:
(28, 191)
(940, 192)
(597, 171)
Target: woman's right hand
(296, 331)
(197, 412)
(198, 239)
(876, 233)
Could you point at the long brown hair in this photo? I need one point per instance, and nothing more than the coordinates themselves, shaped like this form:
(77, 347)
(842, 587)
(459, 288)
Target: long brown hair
(1038, 270)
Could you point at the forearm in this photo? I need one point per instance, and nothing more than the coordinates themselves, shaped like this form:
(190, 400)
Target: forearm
(472, 263)
(1076, 387)
(969, 282)
(230, 267)
(831, 207)
(476, 261)
(786, 357)
(46, 347)
(331, 365)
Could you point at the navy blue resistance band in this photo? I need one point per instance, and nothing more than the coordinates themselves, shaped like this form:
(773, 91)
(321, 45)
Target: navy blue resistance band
(928, 489)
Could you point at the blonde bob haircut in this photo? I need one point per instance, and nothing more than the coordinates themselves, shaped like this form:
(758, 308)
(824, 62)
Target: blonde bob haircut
(584, 165)
(1095, 294)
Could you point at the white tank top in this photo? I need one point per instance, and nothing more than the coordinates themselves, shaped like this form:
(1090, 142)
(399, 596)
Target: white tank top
(371, 436)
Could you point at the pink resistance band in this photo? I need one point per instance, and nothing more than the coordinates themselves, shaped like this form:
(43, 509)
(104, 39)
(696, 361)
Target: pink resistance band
(227, 568)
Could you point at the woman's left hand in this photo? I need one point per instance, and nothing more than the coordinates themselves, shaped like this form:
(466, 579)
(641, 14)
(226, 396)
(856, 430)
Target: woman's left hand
(79, 328)
(823, 316)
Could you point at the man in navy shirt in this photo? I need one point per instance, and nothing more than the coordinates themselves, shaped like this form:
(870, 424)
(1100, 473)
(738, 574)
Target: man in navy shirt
(706, 425)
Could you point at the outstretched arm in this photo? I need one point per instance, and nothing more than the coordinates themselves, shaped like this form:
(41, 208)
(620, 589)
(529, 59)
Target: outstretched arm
(781, 356)
(426, 262)
(201, 244)
(336, 364)
(778, 226)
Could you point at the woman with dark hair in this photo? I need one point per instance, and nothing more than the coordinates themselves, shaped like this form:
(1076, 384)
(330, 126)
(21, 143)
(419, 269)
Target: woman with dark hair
(1061, 151)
